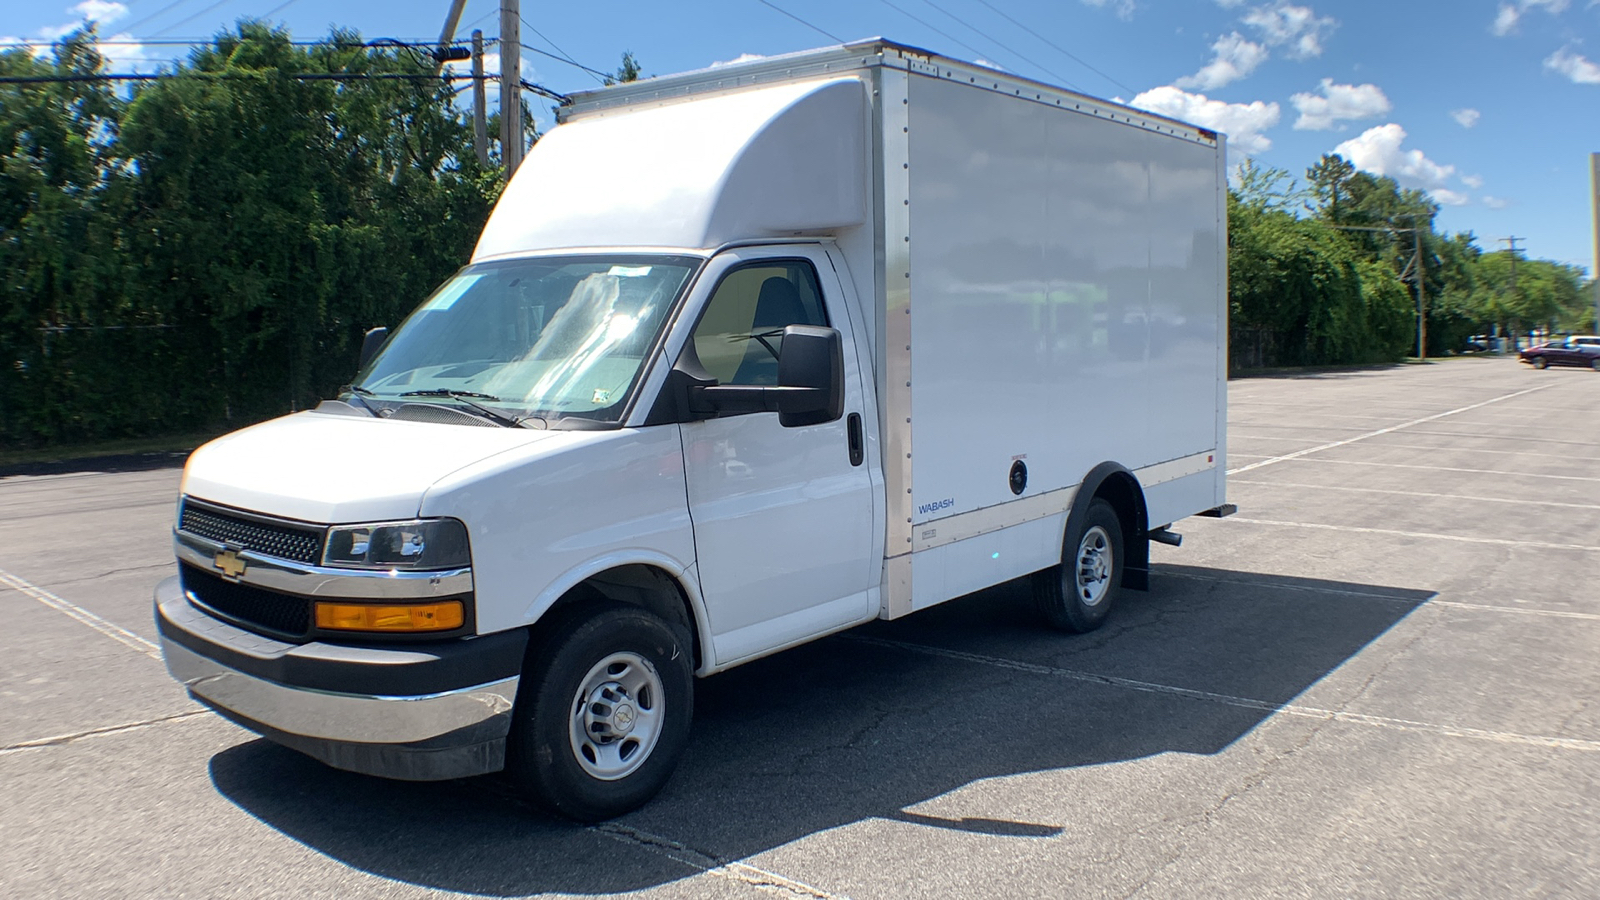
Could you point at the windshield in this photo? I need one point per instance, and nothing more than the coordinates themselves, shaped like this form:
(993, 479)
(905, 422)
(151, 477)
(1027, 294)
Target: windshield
(551, 337)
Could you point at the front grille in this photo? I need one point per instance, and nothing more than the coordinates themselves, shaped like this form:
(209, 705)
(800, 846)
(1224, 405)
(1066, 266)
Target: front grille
(282, 615)
(284, 541)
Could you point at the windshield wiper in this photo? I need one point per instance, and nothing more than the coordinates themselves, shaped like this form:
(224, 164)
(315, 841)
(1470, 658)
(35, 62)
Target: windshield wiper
(360, 392)
(464, 397)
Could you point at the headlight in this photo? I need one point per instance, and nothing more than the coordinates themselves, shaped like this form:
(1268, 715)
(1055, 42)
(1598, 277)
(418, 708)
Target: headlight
(423, 544)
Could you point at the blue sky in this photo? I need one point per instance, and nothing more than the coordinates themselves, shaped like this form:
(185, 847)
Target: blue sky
(1493, 106)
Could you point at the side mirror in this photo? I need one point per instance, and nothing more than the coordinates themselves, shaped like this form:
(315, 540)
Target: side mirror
(810, 376)
(370, 345)
(810, 388)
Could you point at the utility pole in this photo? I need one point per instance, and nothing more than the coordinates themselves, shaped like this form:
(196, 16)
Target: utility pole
(480, 116)
(1422, 292)
(1511, 247)
(511, 85)
(1594, 187)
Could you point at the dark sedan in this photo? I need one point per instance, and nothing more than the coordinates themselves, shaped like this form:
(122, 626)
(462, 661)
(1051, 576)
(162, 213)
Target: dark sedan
(1560, 353)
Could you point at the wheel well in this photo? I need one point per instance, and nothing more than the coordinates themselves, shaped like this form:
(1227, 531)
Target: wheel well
(637, 585)
(1125, 496)
(1122, 491)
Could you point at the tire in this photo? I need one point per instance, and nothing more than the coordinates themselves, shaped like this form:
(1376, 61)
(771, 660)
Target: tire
(1595, 364)
(1540, 362)
(602, 712)
(1077, 595)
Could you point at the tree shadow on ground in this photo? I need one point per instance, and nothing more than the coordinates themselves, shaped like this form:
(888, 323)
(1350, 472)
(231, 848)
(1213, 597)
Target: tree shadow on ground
(860, 725)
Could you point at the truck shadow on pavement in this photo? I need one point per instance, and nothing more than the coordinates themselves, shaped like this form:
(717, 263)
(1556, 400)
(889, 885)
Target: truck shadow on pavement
(865, 724)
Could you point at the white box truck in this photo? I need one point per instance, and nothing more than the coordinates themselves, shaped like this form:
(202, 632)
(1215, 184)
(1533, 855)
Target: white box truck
(743, 357)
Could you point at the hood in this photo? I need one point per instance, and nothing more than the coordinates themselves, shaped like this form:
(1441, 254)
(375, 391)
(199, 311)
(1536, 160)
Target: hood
(332, 468)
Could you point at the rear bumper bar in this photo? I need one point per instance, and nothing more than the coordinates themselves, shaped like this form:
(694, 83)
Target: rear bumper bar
(415, 712)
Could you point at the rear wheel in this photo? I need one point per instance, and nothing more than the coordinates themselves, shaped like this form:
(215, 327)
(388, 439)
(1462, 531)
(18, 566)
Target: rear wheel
(1595, 364)
(603, 712)
(1540, 362)
(1077, 595)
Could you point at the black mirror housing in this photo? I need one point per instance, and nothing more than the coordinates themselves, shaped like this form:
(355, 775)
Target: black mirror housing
(371, 343)
(810, 376)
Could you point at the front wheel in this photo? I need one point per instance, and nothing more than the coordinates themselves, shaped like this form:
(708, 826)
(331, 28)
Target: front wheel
(1077, 595)
(603, 712)
(1595, 364)
(1539, 362)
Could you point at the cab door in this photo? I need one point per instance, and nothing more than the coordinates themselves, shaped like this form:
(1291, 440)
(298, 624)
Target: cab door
(782, 516)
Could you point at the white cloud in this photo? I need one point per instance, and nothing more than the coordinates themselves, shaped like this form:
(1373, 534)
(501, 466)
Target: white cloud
(1297, 27)
(1495, 202)
(1338, 102)
(1509, 15)
(1472, 181)
(1466, 118)
(1577, 69)
(1378, 151)
(103, 11)
(1235, 58)
(743, 57)
(1123, 8)
(1243, 123)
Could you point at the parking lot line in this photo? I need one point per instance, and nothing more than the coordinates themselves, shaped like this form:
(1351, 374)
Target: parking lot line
(1384, 465)
(1371, 595)
(1372, 434)
(1516, 501)
(73, 611)
(1505, 437)
(1310, 712)
(1500, 542)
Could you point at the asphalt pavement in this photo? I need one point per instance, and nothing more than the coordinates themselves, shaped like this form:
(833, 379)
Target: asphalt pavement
(1379, 678)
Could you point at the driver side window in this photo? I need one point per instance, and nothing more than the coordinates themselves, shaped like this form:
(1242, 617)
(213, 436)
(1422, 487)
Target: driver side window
(741, 331)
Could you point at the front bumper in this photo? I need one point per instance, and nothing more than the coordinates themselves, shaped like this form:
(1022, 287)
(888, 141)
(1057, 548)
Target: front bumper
(418, 712)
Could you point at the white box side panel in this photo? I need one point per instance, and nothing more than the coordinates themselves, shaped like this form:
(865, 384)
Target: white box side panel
(1064, 295)
(951, 570)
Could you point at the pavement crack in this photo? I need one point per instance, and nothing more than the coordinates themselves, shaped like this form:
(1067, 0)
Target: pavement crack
(741, 873)
(60, 739)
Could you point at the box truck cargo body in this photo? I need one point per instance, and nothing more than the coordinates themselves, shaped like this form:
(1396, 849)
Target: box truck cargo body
(743, 357)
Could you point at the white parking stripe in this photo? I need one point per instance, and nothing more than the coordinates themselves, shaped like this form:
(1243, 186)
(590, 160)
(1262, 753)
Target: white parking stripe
(1384, 465)
(1371, 434)
(1517, 501)
(1309, 712)
(1501, 542)
(1372, 595)
(72, 610)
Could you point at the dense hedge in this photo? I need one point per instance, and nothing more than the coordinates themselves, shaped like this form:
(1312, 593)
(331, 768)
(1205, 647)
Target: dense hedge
(207, 250)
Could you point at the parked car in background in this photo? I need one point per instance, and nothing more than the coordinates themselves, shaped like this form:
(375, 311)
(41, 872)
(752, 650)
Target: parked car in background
(1588, 343)
(1562, 353)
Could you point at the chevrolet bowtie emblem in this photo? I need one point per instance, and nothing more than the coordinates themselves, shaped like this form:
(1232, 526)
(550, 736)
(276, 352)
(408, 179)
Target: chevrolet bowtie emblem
(229, 563)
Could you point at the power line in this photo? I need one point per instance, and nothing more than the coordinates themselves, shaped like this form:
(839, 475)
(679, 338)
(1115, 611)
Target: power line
(970, 27)
(1064, 51)
(197, 15)
(222, 76)
(199, 42)
(835, 38)
(596, 72)
(565, 56)
(157, 14)
(977, 54)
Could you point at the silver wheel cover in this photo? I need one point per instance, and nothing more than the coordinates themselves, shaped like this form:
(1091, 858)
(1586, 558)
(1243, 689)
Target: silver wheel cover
(616, 716)
(1093, 567)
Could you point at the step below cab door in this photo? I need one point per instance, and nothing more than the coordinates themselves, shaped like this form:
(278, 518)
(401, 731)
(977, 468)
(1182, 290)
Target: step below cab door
(782, 515)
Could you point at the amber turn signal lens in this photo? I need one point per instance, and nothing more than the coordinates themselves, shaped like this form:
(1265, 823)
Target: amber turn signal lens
(444, 616)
